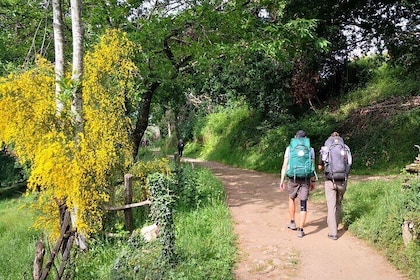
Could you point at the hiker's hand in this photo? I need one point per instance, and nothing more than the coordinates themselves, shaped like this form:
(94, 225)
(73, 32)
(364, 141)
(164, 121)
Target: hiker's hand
(312, 185)
(282, 186)
(320, 167)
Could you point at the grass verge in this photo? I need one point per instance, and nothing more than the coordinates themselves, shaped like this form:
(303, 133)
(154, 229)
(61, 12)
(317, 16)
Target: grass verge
(376, 210)
(17, 239)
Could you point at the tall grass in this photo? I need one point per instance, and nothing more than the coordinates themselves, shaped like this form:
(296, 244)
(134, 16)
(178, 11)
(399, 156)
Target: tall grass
(205, 244)
(375, 211)
(17, 239)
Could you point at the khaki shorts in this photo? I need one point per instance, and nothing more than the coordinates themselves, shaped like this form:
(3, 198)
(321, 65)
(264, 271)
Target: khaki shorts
(298, 188)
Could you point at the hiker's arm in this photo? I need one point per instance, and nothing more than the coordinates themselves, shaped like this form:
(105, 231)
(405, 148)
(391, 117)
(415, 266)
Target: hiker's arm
(349, 157)
(283, 172)
(320, 161)
(320, 165)
(315, 177)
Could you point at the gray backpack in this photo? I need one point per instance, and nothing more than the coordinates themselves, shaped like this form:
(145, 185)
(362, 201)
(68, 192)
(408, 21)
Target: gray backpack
(335, 155)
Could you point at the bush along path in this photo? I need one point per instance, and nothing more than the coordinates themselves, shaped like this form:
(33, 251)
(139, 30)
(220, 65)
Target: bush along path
(269, 250)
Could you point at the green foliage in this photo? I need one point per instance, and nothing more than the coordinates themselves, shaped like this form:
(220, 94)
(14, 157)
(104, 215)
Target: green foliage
(204, 239)
(138, 260)
(360, 72)
(375, 211)
(257, 79)
(381, 137)
(162, 215)
(11, 171)
(206, 245)
(194, 189)
(17, 239)
(388, 143)
(385, 82)
(233, 135)
(98, 261)
(25, 27)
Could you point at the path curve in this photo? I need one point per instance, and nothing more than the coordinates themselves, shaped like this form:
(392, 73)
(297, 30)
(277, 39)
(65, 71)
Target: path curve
(268, 250)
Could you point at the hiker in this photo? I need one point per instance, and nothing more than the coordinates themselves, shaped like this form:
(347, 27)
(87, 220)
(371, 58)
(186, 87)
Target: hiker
(335, 158)
(299, 167)
(180, 147)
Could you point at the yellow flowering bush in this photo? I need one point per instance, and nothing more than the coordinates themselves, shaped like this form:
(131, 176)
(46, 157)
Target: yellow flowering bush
(76, 169)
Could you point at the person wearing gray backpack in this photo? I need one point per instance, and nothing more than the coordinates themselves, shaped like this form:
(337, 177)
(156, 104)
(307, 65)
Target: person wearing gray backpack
(336, 159)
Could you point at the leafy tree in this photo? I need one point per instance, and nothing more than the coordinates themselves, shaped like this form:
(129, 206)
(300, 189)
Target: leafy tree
(183, 51)
(359, 27)
(16, 22)
(27, 31)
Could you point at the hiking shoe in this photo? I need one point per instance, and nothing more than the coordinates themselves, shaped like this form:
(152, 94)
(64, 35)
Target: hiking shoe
(333, 237)
(291, 225)
(300, 233)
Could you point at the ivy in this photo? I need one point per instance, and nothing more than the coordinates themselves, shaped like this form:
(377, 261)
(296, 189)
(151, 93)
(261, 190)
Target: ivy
(162, 214)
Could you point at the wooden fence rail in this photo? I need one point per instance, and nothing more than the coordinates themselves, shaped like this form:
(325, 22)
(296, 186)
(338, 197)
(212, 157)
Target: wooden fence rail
(128, 203)
(67, 236)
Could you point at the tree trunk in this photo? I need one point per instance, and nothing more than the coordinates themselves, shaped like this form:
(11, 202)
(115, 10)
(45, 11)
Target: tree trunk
(143, 117)
(59, 51)
(77, 29)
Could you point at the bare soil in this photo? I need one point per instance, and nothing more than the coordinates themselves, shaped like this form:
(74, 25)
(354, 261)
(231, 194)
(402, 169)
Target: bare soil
(269, 250)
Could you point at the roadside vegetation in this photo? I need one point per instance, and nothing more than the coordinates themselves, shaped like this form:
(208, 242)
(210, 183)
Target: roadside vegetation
(204, 246)
(376, 210)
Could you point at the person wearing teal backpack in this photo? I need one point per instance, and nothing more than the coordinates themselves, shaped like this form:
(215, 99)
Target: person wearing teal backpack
(299, 167)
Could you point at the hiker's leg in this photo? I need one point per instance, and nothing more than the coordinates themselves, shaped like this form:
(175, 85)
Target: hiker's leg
(341, 189)
(303, 212)
(292, 208)
(303, 196)
(292, 188)
(331, 196)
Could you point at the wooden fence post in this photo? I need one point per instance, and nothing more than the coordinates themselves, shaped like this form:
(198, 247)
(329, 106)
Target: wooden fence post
(128, 213)
(39, 260)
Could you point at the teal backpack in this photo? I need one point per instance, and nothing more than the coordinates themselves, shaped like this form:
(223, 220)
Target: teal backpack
(300, 163)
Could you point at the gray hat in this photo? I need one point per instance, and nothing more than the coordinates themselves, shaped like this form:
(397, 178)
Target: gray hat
(300, 133)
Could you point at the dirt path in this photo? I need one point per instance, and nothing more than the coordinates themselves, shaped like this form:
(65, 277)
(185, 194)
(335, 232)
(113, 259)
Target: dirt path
(268, 250)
